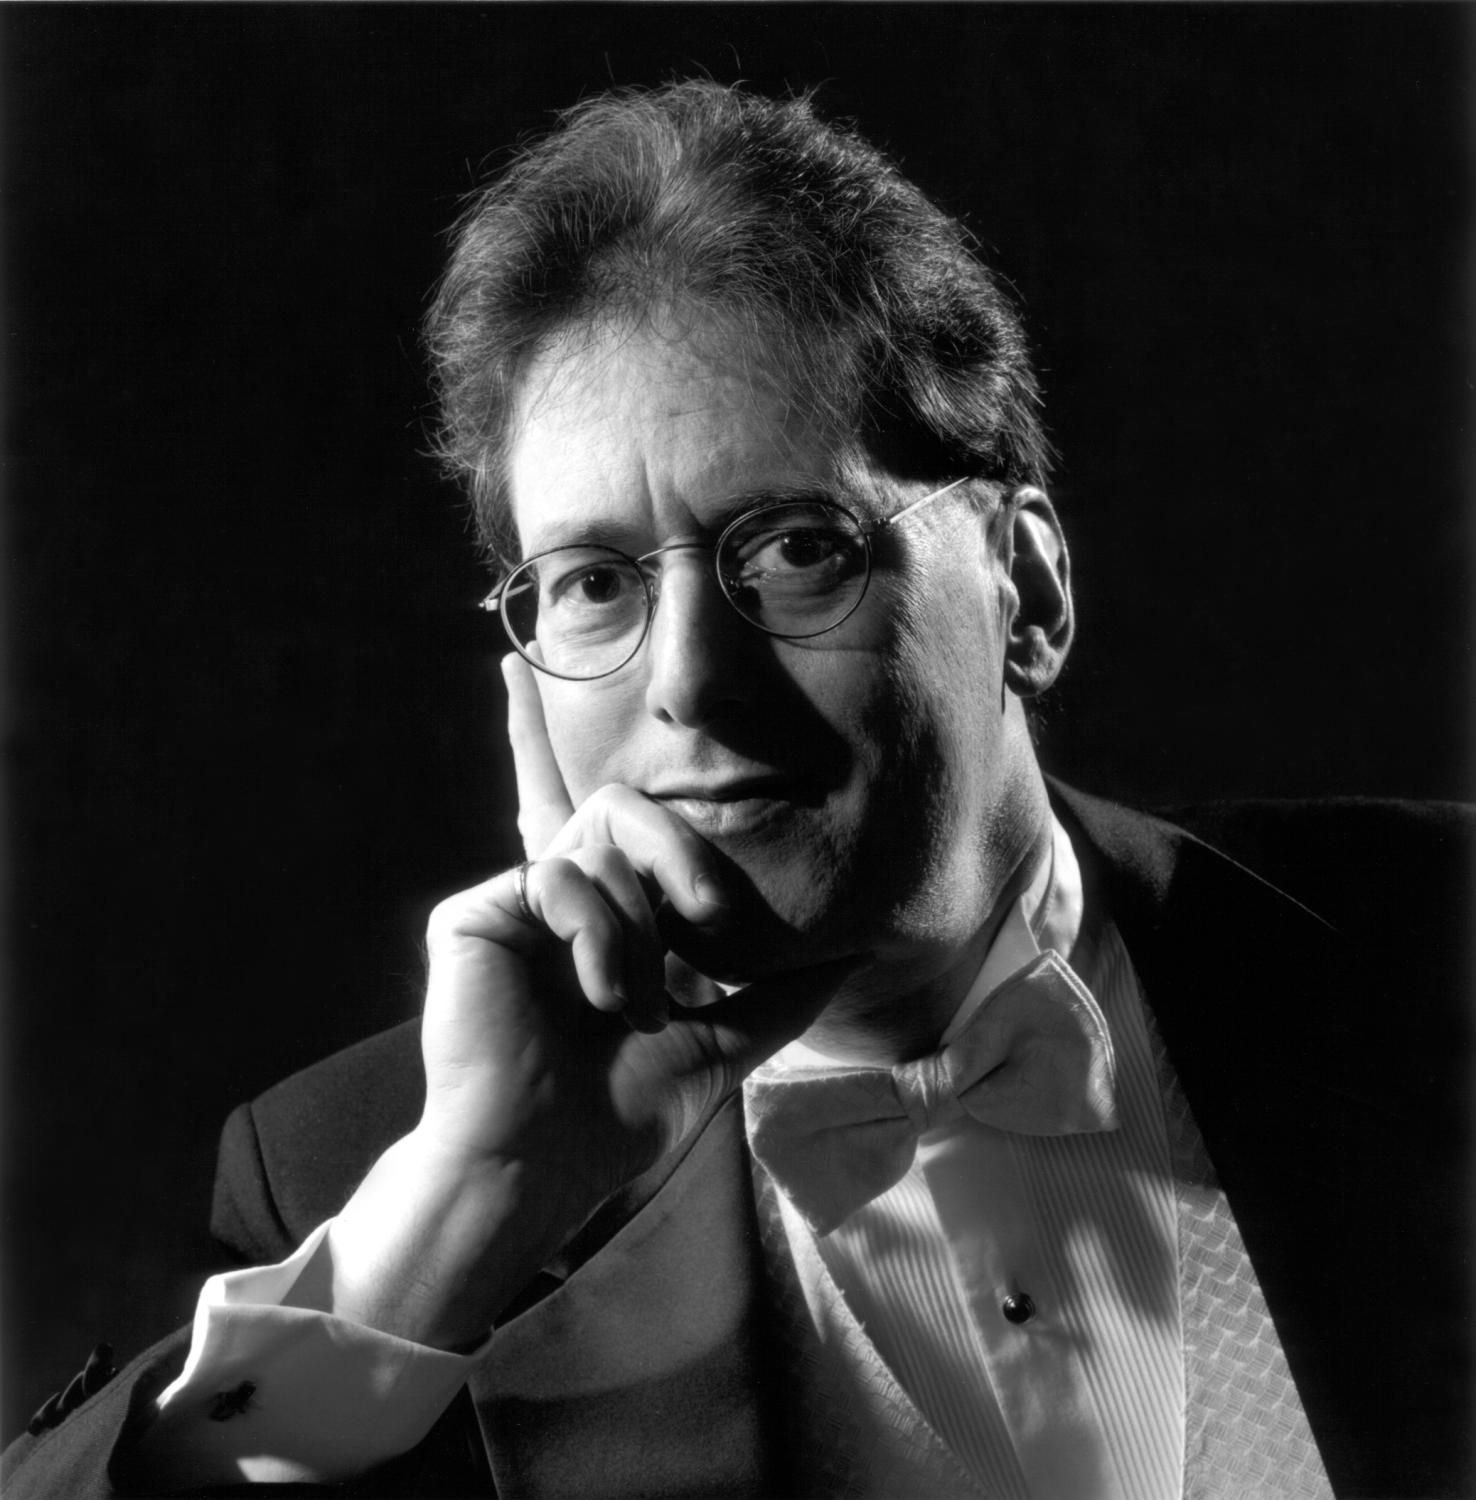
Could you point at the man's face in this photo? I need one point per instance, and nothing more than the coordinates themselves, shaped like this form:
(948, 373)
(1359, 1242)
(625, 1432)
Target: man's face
(865, 784)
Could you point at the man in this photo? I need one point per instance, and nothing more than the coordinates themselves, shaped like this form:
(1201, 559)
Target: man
(1036, 1147)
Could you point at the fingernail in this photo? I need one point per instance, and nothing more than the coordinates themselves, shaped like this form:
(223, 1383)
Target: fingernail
(706, 888)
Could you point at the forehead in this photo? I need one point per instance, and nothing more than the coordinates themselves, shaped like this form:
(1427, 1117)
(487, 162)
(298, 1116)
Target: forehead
(652, 433)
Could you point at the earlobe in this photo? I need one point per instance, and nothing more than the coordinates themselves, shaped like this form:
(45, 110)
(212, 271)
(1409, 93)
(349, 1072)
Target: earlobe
(1040, 630)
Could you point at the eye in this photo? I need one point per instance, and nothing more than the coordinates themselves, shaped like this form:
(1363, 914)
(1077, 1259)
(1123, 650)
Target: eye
(577, 612)
(794, 570)
(589, 583)
(597, 585)
(810, 551)
(803, 549)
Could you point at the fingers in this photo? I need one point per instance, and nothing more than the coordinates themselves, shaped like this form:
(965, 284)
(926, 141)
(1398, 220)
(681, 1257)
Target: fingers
(658, 844)
(753, 1024)
(590, 903)
(569, 904)
(641, 948)
(544, 805)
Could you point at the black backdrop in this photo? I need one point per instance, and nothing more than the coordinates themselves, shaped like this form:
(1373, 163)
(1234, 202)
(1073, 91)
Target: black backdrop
(253, 731)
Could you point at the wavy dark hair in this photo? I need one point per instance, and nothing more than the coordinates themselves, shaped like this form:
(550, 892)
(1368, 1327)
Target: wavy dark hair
(790, 229)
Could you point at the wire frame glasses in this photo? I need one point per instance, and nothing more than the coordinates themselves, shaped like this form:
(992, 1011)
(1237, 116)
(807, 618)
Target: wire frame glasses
(793, 569)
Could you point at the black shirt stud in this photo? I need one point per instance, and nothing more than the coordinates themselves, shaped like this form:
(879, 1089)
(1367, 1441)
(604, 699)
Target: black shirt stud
(1018, 1307)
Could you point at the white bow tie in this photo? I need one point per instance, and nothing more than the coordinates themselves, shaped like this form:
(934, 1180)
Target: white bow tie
(1035, 1058)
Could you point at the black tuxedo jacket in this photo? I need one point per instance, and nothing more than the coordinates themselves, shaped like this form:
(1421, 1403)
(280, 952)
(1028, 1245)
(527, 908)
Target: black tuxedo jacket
(1307, 968)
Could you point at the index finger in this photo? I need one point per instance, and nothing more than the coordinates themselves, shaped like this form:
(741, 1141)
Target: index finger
(544, 805)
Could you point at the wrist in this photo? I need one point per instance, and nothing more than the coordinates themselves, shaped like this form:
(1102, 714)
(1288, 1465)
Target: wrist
(434, 1245)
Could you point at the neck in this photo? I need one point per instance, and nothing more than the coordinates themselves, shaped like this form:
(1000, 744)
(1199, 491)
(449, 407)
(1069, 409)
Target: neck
(887, 1014)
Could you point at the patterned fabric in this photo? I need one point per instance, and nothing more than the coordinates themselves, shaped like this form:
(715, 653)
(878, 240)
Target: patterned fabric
(1246, 1434)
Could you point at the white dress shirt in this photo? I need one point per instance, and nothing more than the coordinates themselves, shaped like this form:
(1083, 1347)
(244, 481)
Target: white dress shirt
(1084, 1399)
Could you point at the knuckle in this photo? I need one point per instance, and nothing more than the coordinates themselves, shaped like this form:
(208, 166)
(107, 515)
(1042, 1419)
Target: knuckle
(555, 871)
(447, 920)
(604, 861)
(558, 886)
(593, 930)
(608, 798)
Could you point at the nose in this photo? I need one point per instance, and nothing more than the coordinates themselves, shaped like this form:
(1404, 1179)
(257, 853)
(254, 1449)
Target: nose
(701, 658)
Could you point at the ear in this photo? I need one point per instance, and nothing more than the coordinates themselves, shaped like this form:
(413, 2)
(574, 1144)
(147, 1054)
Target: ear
(1038, 633)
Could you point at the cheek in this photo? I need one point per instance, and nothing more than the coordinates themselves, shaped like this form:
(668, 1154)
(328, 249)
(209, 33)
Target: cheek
(588, 723)
(874, 692)
(947, 684)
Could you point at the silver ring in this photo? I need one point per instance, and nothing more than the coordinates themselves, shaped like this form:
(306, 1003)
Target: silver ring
(523, 906)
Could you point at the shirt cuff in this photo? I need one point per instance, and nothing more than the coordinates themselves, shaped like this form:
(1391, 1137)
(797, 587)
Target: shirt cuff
(271, 1393)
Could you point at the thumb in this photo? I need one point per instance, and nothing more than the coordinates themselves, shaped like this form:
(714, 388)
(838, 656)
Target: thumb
(752, 1024)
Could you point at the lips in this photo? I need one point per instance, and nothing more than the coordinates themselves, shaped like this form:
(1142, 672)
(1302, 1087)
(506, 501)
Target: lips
(730, 818)
(723, 789)
(737, 806)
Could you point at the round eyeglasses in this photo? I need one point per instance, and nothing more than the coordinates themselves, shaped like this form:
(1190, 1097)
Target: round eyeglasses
(793, 569)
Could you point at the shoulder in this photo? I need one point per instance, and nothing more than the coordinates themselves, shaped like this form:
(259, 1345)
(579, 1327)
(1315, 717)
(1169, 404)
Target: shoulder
(293, 1156)
(1307, 921)
(1365, 864)
(1296, 944)
(362, 1091)
(1362, 865)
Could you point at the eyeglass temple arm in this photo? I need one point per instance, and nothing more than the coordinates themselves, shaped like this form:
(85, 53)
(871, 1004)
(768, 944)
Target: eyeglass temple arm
(493, 601)
(907, 510)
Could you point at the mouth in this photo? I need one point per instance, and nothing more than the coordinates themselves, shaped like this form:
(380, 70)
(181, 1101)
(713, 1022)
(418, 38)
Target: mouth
(741, 806)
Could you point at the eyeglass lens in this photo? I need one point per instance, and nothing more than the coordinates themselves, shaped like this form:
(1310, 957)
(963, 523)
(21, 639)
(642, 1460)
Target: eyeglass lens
(794, 570)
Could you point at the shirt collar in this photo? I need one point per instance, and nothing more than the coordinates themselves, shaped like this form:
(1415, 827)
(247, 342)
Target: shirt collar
(1045, 916)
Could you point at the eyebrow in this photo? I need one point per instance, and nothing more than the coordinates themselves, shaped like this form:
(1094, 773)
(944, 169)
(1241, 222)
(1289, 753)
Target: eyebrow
(623, 537)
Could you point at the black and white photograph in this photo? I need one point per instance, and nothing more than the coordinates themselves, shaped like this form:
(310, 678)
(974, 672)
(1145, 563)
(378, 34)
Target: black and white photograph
(738, 745)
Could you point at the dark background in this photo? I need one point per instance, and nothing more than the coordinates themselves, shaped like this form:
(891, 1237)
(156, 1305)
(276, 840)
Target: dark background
(253, 730)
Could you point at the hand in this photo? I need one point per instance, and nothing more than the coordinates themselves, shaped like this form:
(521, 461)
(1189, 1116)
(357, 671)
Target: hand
(556, 1067)
(553, 1042)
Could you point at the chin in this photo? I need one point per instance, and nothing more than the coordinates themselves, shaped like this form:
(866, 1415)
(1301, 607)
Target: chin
(784, 916)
